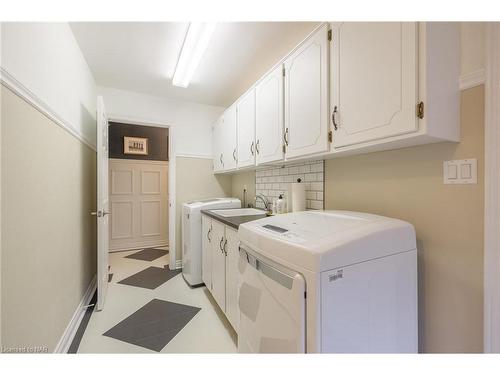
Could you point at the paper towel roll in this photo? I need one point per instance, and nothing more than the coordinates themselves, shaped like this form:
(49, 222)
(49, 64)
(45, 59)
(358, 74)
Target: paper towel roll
(296, 197)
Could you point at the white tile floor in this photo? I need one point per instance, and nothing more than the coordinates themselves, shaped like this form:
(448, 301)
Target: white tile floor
(207, 332)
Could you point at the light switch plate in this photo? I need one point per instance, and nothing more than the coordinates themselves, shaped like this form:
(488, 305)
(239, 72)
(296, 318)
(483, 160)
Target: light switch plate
(460, 171)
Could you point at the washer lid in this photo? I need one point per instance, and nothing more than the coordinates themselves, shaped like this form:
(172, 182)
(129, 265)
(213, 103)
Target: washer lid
(323, 240)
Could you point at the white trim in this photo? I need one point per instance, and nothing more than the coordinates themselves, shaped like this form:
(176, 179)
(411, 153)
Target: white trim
(31, 98)
(172, 199)
(194, 156)
(492, 188)
(73, 325)
(172, 223)
(472, 79)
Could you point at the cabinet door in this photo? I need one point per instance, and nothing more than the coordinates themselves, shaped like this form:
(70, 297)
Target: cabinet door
(245, 111)
(217, 132)
(228, 138)
(206, 251)
(232, 277)
(218, 264)
(306, 97)
(269, 117)
(374, 80)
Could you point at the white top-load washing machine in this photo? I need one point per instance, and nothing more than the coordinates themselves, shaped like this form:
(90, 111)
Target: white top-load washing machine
(191, 235)
(328, 282)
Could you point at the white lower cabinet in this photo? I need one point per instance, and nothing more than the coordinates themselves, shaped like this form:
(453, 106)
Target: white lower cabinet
(220, 253)
(232, 278)
(218, 264)
(206, 251)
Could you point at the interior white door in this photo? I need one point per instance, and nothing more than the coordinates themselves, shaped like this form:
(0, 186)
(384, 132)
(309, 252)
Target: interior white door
(245, 110)
(232, 277)
(138, 199)
(269, 117)
(218, 264)
(229, 138)
(206, 251)
(306, 97)
(102, 204)
(374, 80)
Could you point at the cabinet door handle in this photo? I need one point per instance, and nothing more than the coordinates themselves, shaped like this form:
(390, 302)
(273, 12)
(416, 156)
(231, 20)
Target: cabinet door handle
(285, 137)
(224, 248)
(251, 148)
(220, 245)
(221, 161)
(208, 235)
(234, 155)
(334, 113)
(257, 146)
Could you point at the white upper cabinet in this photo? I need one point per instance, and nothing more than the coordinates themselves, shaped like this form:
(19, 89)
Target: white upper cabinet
(269, 117)
(306, 97)
(245, 110)
(229, 133)
(374, 82)
(218, 157)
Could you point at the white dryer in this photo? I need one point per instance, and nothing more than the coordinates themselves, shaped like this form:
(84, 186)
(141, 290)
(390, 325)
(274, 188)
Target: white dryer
(191, 235)
(328, 282)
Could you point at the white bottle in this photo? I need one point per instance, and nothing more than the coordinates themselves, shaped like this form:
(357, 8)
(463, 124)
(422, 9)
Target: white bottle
(280, 205)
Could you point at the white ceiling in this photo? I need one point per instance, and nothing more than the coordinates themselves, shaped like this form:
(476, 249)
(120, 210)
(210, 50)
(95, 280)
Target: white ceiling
(141, 57)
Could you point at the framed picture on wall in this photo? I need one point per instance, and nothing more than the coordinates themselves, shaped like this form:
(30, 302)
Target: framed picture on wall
(135, 145)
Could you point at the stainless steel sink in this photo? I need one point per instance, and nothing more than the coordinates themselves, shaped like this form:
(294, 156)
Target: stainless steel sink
(240, 212)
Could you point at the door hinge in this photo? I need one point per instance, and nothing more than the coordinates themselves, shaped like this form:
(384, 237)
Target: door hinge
(283, 71)
(420, 110)
(330, 136)
(305, 295)
(329, 35)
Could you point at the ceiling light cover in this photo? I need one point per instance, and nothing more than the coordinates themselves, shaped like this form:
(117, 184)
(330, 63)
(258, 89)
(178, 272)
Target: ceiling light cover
(196, 42)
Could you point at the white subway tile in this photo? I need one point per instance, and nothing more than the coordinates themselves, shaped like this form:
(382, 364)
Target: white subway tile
(319, 195)
(310, 177)
(305, 169)
(317, 205)
(320, 176)
(310, 194)
(293, 170)
(317, 186)
(318, 167)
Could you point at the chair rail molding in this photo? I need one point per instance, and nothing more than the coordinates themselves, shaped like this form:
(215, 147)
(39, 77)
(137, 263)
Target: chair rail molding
(492, 192)
(40, 105)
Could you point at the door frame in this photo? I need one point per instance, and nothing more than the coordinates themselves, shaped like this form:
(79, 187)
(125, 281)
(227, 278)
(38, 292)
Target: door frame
(172, 264)
(492, 188)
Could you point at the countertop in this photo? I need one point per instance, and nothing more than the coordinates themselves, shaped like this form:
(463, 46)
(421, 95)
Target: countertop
(233, 221)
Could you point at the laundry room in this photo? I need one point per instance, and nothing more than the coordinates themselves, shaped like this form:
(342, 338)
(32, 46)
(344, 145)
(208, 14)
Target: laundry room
(284, 185)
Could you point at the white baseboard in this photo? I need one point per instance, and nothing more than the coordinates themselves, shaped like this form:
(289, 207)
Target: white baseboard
(472, 79)
(178, 264)
(76, 319)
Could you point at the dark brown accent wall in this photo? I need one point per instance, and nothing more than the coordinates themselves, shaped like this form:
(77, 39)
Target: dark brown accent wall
(157, 141)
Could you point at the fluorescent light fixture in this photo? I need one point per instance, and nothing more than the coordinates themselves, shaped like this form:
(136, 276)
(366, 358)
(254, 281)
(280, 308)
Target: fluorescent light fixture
(195, 44)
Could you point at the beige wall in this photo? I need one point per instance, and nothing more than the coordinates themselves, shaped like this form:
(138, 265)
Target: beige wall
(408, 184)
(241, 180)
(472, 37)
(48, 236)
(194, 179)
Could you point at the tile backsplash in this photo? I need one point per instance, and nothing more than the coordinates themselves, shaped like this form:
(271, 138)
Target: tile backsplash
(273, 181)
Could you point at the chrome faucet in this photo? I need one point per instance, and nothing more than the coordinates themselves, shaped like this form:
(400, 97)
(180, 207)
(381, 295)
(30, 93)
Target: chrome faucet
(264, 200)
